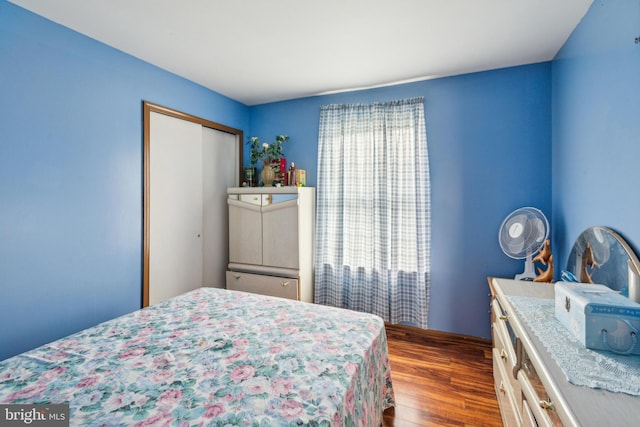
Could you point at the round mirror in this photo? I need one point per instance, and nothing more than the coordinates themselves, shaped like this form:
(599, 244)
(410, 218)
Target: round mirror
(602, 256)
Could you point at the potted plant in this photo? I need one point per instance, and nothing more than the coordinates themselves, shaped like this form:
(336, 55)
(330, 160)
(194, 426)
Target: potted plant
(273, 152)
(269, 153)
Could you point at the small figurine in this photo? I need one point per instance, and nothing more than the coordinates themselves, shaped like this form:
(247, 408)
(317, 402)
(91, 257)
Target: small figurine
(292, 175)
(544, 254)
(546, 258)
(588, 260)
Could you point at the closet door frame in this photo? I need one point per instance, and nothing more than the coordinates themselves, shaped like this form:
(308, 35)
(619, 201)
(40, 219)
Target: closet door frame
(147, 108)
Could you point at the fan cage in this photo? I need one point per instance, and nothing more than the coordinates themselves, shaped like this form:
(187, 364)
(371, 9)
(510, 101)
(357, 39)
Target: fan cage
(507, 243)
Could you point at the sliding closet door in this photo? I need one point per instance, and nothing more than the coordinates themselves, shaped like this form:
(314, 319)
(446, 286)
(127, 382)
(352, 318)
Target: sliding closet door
(220, 159)
(188, 164)
(176, 207)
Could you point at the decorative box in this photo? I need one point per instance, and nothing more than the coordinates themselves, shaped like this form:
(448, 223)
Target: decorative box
(301, 177)
(599, 317)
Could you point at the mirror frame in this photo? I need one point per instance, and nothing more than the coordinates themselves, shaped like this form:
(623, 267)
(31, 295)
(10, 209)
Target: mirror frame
(632, 265)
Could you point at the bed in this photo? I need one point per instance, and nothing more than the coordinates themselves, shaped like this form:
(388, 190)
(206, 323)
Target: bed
(213, 357)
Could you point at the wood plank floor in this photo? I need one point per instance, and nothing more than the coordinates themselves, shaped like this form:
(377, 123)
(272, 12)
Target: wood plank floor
(440, 379)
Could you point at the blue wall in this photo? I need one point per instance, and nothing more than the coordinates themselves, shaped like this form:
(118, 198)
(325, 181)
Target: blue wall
(71, 175)
(596, 126)
(489, 137)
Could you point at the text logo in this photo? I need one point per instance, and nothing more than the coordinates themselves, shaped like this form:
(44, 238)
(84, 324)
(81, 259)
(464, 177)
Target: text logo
(35, 415)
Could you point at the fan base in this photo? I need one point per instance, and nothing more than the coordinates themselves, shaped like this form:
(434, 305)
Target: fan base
(529, 272)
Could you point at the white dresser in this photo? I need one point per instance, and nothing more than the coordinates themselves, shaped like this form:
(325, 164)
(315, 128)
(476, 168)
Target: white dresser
(271, 241)
(531, 388)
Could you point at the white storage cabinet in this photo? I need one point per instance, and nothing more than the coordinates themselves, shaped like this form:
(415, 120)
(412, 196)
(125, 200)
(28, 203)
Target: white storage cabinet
(271, 241)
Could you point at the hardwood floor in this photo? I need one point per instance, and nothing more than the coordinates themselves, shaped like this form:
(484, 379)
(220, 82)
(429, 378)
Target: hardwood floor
(440, 379)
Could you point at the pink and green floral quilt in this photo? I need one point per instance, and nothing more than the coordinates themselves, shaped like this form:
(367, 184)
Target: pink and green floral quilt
(213, 357)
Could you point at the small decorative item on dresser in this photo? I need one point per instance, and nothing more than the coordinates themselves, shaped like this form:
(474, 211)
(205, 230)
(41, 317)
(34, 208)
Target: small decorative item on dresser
(598, 317)
(268, 174)
(281, 171)
(301, 178)
(292, 175)
(546, 258)
(250, 178)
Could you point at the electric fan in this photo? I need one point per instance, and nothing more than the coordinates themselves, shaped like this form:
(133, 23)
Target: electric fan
(522, 234)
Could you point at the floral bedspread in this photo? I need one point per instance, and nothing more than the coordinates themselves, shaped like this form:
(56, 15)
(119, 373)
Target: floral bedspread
(213, 357)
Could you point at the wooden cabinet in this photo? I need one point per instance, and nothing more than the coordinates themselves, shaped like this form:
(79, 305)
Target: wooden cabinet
(531, 388)
(271, 241)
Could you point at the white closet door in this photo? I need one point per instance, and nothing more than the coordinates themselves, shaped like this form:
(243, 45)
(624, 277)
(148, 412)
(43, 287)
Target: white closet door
(220, 167)
(176, 214)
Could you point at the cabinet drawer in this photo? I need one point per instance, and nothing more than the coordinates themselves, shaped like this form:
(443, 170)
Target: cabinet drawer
(283, 287)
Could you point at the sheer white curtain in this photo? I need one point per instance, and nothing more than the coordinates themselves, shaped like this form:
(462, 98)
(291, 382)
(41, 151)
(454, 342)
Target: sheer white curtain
(373, 210)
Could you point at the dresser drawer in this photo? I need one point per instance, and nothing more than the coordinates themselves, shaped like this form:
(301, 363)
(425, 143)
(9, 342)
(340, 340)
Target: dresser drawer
(528, 420)
(535, 397)
(540, 407)
(283, 287)
(504, 345)
(504, 393)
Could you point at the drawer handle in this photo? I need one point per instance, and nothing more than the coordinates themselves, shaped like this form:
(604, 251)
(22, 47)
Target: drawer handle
(284, 283)
(519, 358)
(501, 388)
(237, 276)
(546, 404)
(503, 354)
(503, 317)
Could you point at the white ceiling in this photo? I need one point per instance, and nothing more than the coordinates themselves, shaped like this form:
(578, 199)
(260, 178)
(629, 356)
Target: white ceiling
(258, 51)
